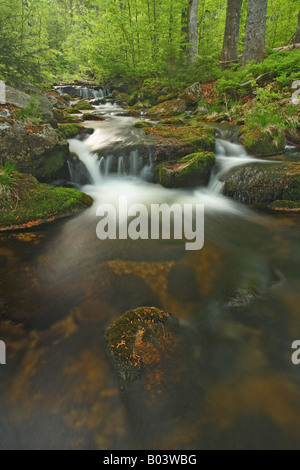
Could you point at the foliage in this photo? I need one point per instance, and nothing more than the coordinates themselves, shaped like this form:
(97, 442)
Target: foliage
(8, 175)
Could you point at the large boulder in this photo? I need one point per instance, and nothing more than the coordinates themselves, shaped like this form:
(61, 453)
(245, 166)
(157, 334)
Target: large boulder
(263, 183)
(42, 106)
(168, 108)
(37, 149)
(192, 170)
(192, 94)
(263, 142)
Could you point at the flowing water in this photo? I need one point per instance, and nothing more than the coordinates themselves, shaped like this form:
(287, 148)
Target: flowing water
(233, 386)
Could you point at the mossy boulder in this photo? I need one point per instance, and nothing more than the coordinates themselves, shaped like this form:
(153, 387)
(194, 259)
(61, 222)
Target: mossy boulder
(263, 142)
(190, 171)
(71, 130)
(31, 203)
(168, 108)
(142, 124)
(138, 340)
(84, 105)
(63, 117)
(36, 149)
(192, 94)
(92, 117)
(264, 183)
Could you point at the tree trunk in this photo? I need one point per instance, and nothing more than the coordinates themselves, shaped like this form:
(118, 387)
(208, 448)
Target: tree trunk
(193, 30)
(297, 35)
(254, 48)
(232, 31)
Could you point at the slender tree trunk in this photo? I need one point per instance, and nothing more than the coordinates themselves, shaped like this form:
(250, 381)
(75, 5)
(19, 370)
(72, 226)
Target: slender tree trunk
(193, 30)
(72, 13)
(232, 31)
(297, 35)
(255, 37)
(184, 29)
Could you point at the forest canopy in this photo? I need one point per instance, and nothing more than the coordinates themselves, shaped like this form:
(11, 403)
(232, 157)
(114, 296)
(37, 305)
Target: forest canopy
(60, 40)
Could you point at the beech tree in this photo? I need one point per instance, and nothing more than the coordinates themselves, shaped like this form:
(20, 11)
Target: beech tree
(255, 35)
(193, 30)
(232, 31)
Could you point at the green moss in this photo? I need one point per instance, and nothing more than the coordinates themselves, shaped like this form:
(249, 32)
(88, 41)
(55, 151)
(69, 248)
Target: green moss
(70, 130)
(92, 117)
(142, 124)
(285, 206)
(33, 203)
(82, 104)
(200, 136)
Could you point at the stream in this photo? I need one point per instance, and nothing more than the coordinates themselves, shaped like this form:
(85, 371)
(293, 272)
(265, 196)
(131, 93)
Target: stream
(235, 386)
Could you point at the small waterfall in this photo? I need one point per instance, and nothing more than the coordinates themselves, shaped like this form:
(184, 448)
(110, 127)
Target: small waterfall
(85, 92)
(89, 159)
(134, 163)
(229, 155)
(121, 167)
(109, 161)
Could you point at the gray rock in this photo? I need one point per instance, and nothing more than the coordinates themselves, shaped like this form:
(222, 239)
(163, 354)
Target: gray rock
(20, 99)
(192, 94)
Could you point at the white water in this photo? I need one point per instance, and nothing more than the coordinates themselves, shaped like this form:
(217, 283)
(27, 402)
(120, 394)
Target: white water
(112, 177)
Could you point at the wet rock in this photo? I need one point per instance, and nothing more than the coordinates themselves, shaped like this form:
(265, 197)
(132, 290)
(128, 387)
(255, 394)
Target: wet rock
(263, 142)
(92, 117)
(192, 94)
(192, 170)
(85, 105)
(264, 183)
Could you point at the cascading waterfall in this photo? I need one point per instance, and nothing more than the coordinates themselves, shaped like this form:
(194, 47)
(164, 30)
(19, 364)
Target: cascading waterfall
(229, 155)
(85, 92)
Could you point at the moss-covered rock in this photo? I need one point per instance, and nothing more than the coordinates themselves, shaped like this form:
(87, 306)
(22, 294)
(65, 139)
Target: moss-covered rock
(168, 108)
(199, 137)
(142, 124)
(71, 130)
(192, 170)
(84, 105)
(263, 142)
(264, 183)
(92, 117)
(56, 100)
(139, 339)
(63, 117)
(31, 203)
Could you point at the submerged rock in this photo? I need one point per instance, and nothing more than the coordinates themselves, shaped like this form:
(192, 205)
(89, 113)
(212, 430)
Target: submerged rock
(264, 183)
(139, 339)
(263, 142)
(189, 171)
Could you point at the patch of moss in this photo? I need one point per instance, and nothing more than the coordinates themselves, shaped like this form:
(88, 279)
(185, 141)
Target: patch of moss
(84, 105)
(285, 206)
(142, 124)
(92, 117)
(70, 130)
(32, 204)
(192, 170)
(200, 137)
